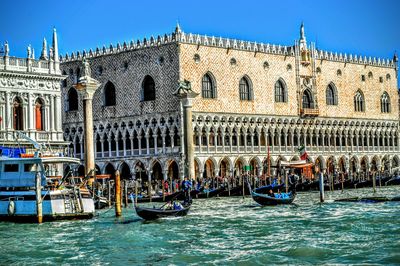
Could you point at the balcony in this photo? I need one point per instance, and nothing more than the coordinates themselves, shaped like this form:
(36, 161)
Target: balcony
(309, 112)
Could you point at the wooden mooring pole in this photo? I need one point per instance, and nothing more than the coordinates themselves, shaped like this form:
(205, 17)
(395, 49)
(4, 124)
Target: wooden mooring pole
(118, 203)
(126, 193)
(321, 187)
(374, 181)
(39, 210)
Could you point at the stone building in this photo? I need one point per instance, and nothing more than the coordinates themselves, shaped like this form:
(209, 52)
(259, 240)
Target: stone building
(188, 104)
(30, 97)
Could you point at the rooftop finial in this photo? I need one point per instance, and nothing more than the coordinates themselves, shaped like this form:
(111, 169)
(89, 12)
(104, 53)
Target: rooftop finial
(6, 49)
(43, 56)
(395, 58)
(29, 51)
(178, 28)
(302, 35)
(55, 44)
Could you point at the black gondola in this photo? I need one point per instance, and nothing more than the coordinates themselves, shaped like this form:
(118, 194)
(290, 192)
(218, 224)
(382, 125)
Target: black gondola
(275, 198)
(264, 199)
(156, 213)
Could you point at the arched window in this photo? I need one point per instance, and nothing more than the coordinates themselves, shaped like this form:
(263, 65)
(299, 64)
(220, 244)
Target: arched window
(280, 91)
(148, 89)
(359, 105)
(385, 103)
(18, 114)
(245, 90)
(72, 100)
(39, 114)
(331, 95)
(109, 94)
(308, 102)
(208, 87)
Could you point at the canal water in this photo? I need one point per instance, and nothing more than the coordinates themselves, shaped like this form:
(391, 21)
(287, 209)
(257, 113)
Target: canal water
(219, 231)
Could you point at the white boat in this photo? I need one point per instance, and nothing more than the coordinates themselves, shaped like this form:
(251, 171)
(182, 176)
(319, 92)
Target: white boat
(22, 180)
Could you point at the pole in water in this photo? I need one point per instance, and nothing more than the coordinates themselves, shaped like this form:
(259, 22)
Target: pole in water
(126, 193)
(321, 187)
(286, 180)
(118, 203)
(109, 192)
(243, 186)
(374, 181)
(136, 191)
(39, 210)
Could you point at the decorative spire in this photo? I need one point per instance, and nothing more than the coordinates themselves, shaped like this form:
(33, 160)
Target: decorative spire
(55, 45)
(6, 49)
(29, 51)
(33, 53)
(43, 56)
(395, 58)
(178, 28)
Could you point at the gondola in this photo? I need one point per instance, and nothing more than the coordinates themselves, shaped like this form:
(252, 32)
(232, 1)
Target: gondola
(156, 213)
(281, 198)
(168, 197)
(277, 199)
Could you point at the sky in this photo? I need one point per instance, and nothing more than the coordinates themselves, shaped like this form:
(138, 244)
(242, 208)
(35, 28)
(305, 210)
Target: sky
(363, 27)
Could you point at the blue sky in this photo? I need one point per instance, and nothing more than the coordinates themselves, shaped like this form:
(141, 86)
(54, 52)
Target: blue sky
(368, 27)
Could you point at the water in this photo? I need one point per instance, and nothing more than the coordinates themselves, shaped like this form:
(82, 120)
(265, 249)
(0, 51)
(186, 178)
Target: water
(220, 231)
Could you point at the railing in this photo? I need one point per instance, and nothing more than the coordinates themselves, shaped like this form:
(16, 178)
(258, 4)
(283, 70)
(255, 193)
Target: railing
(309, 112)
(25, 65)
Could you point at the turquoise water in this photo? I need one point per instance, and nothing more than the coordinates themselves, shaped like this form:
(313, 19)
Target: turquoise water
(220, 231)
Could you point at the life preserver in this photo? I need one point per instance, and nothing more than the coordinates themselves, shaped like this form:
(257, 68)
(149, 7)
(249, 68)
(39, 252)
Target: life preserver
(11, 208)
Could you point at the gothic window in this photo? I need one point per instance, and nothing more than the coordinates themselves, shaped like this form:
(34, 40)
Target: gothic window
(109, 94)
(331, 95)
(208, 86)
(280, 91)
(245, 90)
(39, 114)
(18, 119)
(359, 104)
(72, 100)
(385, 103)
(148, 89)
(307, 100)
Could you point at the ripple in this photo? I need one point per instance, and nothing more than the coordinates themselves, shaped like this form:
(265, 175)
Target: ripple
(219, 231)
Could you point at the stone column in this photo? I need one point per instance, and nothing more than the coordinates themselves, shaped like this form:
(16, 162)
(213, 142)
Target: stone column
(87, 86)
(186, 95)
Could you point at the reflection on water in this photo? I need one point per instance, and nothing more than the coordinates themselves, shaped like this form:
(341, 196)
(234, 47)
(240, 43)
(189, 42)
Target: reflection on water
(220, 231)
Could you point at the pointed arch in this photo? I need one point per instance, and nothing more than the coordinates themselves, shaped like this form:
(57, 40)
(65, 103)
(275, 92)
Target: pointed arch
(281, 91)
(109, 94)
(308, 102)
(385, 103)
(331, 94)
(245, 89)
(208, 86)
(359, 102)
(148, 89)
(72, 99)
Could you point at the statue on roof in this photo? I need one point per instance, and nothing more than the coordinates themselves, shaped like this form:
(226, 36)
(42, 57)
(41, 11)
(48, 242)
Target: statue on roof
(86, 68)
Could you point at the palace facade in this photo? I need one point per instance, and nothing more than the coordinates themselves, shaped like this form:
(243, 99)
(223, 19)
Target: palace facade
(188, 104)
(30, 97)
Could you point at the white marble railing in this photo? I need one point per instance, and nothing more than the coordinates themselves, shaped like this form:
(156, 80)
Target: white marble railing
(26, 65)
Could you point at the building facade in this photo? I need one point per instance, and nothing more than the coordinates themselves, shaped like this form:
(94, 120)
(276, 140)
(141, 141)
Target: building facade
(247, 100)
(30, 97)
